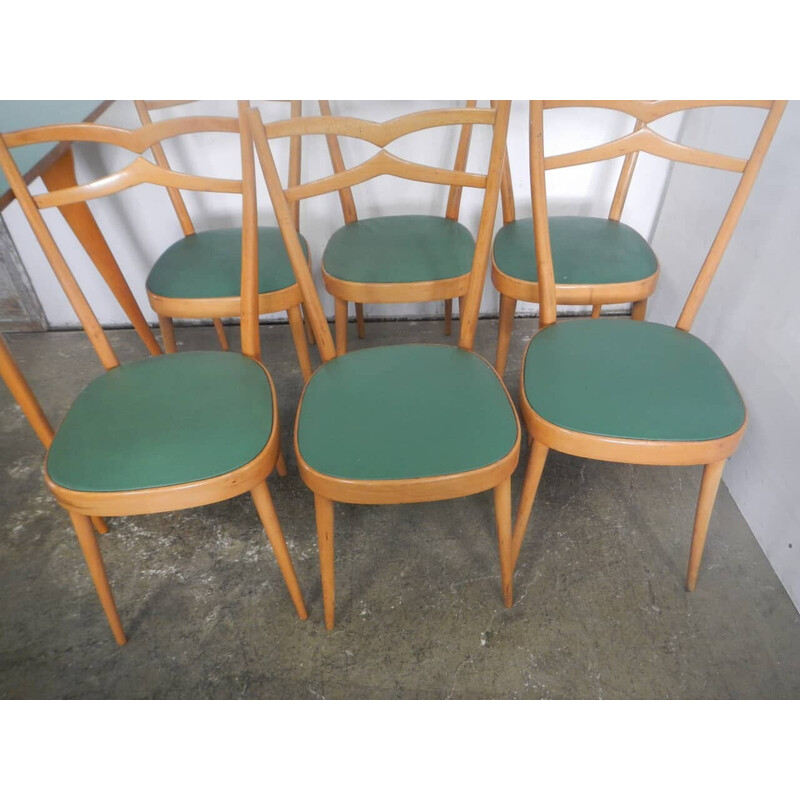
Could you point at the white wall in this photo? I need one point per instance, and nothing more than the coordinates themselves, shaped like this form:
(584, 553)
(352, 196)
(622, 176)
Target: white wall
(749, 316)
(140, 224)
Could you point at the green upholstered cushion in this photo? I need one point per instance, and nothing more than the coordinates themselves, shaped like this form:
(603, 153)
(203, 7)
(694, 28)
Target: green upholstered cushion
(634, 380)
(405, 411)
(209, 264)
(164, 421)
(399, 250)
(586, 250)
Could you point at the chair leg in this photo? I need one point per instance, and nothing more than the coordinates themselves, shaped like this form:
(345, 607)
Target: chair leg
(362, 329)
(280, 464)
(269, 519)
(300, 343)
(533, 474)
(448, 316)
(502, 512)
(223, 339)
(167, 334)
(639, 309)
(94, 560)
(508, 306)
(324, 511)
(596, 311)
(712, 474)
(309, 329)
(341, 326)
(99, 525)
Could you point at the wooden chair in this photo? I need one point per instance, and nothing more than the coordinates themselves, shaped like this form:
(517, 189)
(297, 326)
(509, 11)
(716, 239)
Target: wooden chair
(198, 276)
(405, 423)
(633, 391)
(166, 433)
(408, 258)
(596, 260)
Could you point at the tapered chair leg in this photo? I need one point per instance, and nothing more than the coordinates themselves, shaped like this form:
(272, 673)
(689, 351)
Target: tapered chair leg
(709, 484)
(280, 464)
(223, 339)
(448, 316)
(269, 519)
(99, 525)
(309, 329)
(596, 311)
(639, 309)
(167, 334)
(341, 326)
(94, 560)
(508, 306)
(324, 512)
(300, 343)
(533, 474)
(361, 327)
(502, 512)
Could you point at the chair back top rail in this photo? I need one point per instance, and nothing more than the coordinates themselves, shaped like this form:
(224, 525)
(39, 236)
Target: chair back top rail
(139, 171)
(384, 163)
(143, 109)
(642, 139)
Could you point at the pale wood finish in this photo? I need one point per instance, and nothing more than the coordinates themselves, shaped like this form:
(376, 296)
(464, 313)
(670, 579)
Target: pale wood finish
(546, 435)
(218, 307)
(249, 477)
(328, 489)
(420, 291)
(709, 484)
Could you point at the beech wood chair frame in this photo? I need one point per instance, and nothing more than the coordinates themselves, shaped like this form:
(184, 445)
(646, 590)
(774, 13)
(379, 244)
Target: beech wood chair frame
(513, 289)
(250, 477)
(328, 489)
(404, 292)
(287, 299)
(713, 453)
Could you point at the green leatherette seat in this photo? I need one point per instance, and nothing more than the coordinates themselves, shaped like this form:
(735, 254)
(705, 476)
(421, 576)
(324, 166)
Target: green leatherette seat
(633, 380)
(164, 421)
(406, 411)
(586, 250)
(401, 249)
(209, 264)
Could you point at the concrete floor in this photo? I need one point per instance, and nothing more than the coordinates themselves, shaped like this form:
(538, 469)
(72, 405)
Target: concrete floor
(600, 610)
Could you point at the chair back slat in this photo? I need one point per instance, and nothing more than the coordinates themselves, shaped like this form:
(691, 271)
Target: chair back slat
(643, 139)
(650, 110)
(143, 108)
(462, 155)
(337, 162)
(383, 163)
(139, 171)
(624, 180)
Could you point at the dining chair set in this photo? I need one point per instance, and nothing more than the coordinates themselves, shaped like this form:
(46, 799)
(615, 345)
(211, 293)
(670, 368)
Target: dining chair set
(392, 424)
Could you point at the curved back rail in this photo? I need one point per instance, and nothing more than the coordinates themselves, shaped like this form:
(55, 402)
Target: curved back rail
(143, 109)
(139, 171)
(643, 139)
(346, 195)
(383, 163)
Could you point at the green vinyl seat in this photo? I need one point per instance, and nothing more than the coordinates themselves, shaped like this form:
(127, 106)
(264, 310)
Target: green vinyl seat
(399, 249)
(209, 264)
(164, 421)
(586, 250)
(404, 411)
(631, 380)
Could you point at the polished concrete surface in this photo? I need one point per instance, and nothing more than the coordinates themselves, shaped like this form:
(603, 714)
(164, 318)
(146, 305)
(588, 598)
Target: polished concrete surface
(600, 610)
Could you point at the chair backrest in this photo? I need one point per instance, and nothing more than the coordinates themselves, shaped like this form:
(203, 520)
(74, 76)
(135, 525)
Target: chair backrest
(139, 171)
(143, 109)
(643, 139)
(384, 163)
(346, 195)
